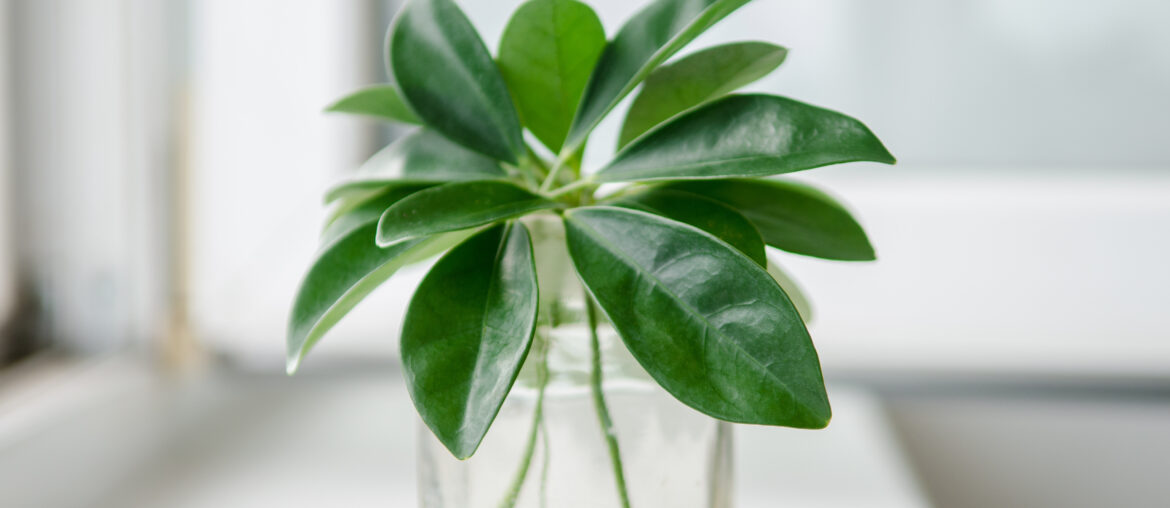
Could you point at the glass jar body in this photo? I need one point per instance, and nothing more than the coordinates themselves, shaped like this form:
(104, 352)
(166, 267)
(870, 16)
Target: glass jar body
(547, 447)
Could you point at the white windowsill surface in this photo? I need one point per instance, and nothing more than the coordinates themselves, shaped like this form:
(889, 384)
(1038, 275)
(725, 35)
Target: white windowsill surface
(117, 436)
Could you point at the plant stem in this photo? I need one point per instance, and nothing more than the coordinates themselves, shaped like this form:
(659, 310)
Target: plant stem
(537, 161)
(544, 465)
(623, 192)
(513, 494)
(615, 455)
(527, 176)
(571, 187)
(560, 164)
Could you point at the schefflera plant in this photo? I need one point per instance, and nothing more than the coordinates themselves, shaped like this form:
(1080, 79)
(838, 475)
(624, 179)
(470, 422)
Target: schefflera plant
(674, 257)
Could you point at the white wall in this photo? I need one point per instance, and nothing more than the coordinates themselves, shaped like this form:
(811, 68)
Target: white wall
(262, 152)
(961, 83)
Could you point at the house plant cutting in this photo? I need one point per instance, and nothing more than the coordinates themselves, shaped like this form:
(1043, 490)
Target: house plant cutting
(598, 332)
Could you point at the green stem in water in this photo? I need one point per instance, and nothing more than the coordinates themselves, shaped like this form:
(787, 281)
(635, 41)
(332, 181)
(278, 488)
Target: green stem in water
(615, 455)
(513, 494)
(544, 464)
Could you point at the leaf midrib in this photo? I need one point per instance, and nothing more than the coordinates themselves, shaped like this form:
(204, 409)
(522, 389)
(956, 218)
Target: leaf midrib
(734, 160)
(687, 307)
(492, 284)
(669, 73)
(489, 215)
(454, 55)
(560, 68)
(645, 69)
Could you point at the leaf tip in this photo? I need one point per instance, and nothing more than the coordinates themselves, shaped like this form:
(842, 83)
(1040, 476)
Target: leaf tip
(868, 253)
(462, 455)
(882, 154)
(812, 414)
(458, 444)
(821, 413)
(385, 240)
(292, 365)
(386, 236)
(821, 423)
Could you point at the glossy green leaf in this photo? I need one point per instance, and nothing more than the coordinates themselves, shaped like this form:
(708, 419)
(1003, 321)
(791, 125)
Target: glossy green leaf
(547, 53)
(791, 216)
(380, 101)
(356, 197)
(711, 216)
(705, 321)
(647, 40)
(456, 206)
(467, 332)
(698, 78)
(347, 268)
(362, 212)
(746, 135)
(792, 289)
(446, 75)
(421, 157)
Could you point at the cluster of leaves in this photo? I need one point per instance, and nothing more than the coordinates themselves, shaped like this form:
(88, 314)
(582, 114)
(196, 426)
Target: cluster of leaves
(675, 258)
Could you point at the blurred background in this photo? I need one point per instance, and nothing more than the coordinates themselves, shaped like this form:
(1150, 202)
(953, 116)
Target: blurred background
(161, 171)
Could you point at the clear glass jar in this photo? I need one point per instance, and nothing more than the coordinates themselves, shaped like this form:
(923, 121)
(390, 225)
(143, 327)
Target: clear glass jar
(671, 456)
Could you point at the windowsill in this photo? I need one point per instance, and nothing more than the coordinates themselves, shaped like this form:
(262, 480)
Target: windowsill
(121, 437)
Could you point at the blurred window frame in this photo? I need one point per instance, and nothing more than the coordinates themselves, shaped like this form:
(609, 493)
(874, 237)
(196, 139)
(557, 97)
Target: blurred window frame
(104, 152)
(7, 264)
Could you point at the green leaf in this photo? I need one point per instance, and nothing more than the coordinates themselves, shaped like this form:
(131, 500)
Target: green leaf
(791, 216)
(347, 268)
(792, 289)
(449, 79)
(356, 197)
(381, 101)
(705, 321)
(647, 40)
(362, 212)
(707, 214)
(546, 56)
(421, 157)
(698, 78)
(746, 135)
(456, 206)
(467, 332)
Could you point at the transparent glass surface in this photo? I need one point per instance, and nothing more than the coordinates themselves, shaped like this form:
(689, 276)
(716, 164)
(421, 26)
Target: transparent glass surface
(672, 456)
